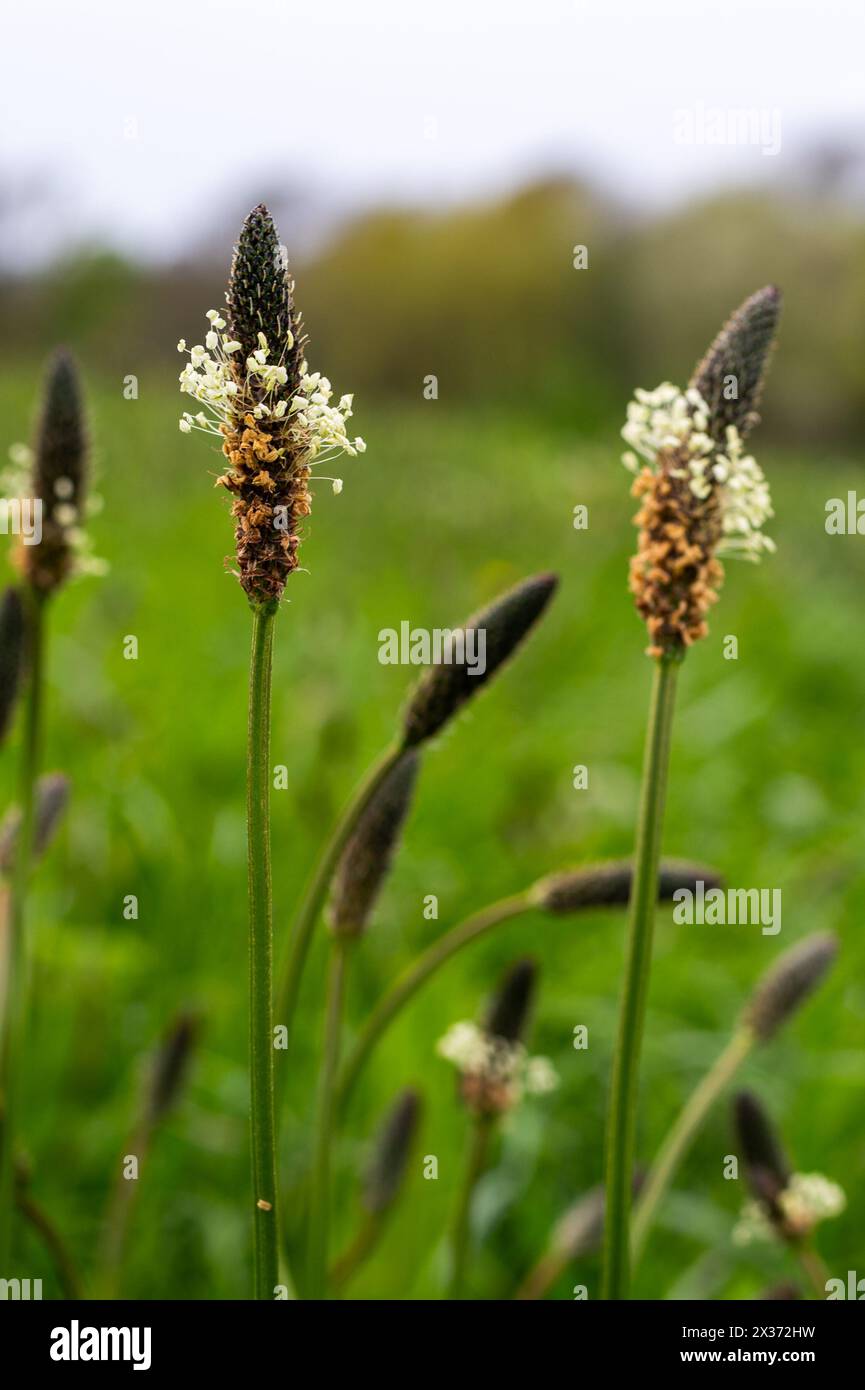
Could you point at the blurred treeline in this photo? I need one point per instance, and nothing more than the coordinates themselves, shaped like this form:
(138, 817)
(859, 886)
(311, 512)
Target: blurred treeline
(486, 299)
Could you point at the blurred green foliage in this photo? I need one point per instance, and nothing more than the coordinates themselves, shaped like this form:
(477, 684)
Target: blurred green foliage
(486, 298)
(448, 506)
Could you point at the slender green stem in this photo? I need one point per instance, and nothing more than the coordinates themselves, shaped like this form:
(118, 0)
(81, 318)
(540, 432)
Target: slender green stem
(118, 1214)
(315, 893)
(621, 1128)
(261, 956)
(416, 975)
(17, 982)
(345, 1267)
(681, 1135)
(319, 1203)
(67, 1274)
(811, 1262)
(479, 1141)
(542, 1275)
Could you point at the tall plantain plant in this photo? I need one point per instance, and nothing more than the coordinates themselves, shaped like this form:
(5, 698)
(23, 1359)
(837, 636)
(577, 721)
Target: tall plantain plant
(274, 422)
(701, 497)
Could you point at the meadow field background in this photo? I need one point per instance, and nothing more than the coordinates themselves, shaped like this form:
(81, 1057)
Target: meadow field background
(456, 499)
(767, 783)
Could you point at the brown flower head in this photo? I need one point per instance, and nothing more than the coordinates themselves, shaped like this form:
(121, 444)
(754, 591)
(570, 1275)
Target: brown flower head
(272, 415)
(701, 495)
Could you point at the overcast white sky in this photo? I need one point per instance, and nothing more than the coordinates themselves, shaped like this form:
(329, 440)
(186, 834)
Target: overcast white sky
(150, 114)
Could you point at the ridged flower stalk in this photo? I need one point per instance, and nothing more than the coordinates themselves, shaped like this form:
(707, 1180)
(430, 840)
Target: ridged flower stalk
(701, 497)
(275, 424)
(622, 1117)
(262, 1126)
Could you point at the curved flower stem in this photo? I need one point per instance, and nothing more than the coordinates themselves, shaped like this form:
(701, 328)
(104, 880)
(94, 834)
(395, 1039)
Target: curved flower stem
(17, 982)
(682, 1133)
(118, 1214)
(541, 1277)
(621, 1125)
(261, 955)
(319, 1200)
(479, 1142)
(316, 891)
(357, 1252)
(67, 1274)
(815, 1269)
(417, 974)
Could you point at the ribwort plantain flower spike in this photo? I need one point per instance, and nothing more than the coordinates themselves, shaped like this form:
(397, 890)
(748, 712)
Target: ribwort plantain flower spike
(786, 1205)
(391, 1153)
(52, 796)
(495, 1068)
(443, 690)
(702, 497)
(170, 1066)
(54, 474)
(761, 1152)
(788, 983)
(730, 377)
(367, 857)
(272, 415)
(508, 1014)
(609, 884)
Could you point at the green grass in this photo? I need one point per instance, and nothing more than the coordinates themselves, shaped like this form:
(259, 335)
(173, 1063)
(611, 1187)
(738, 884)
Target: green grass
(768, 770)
